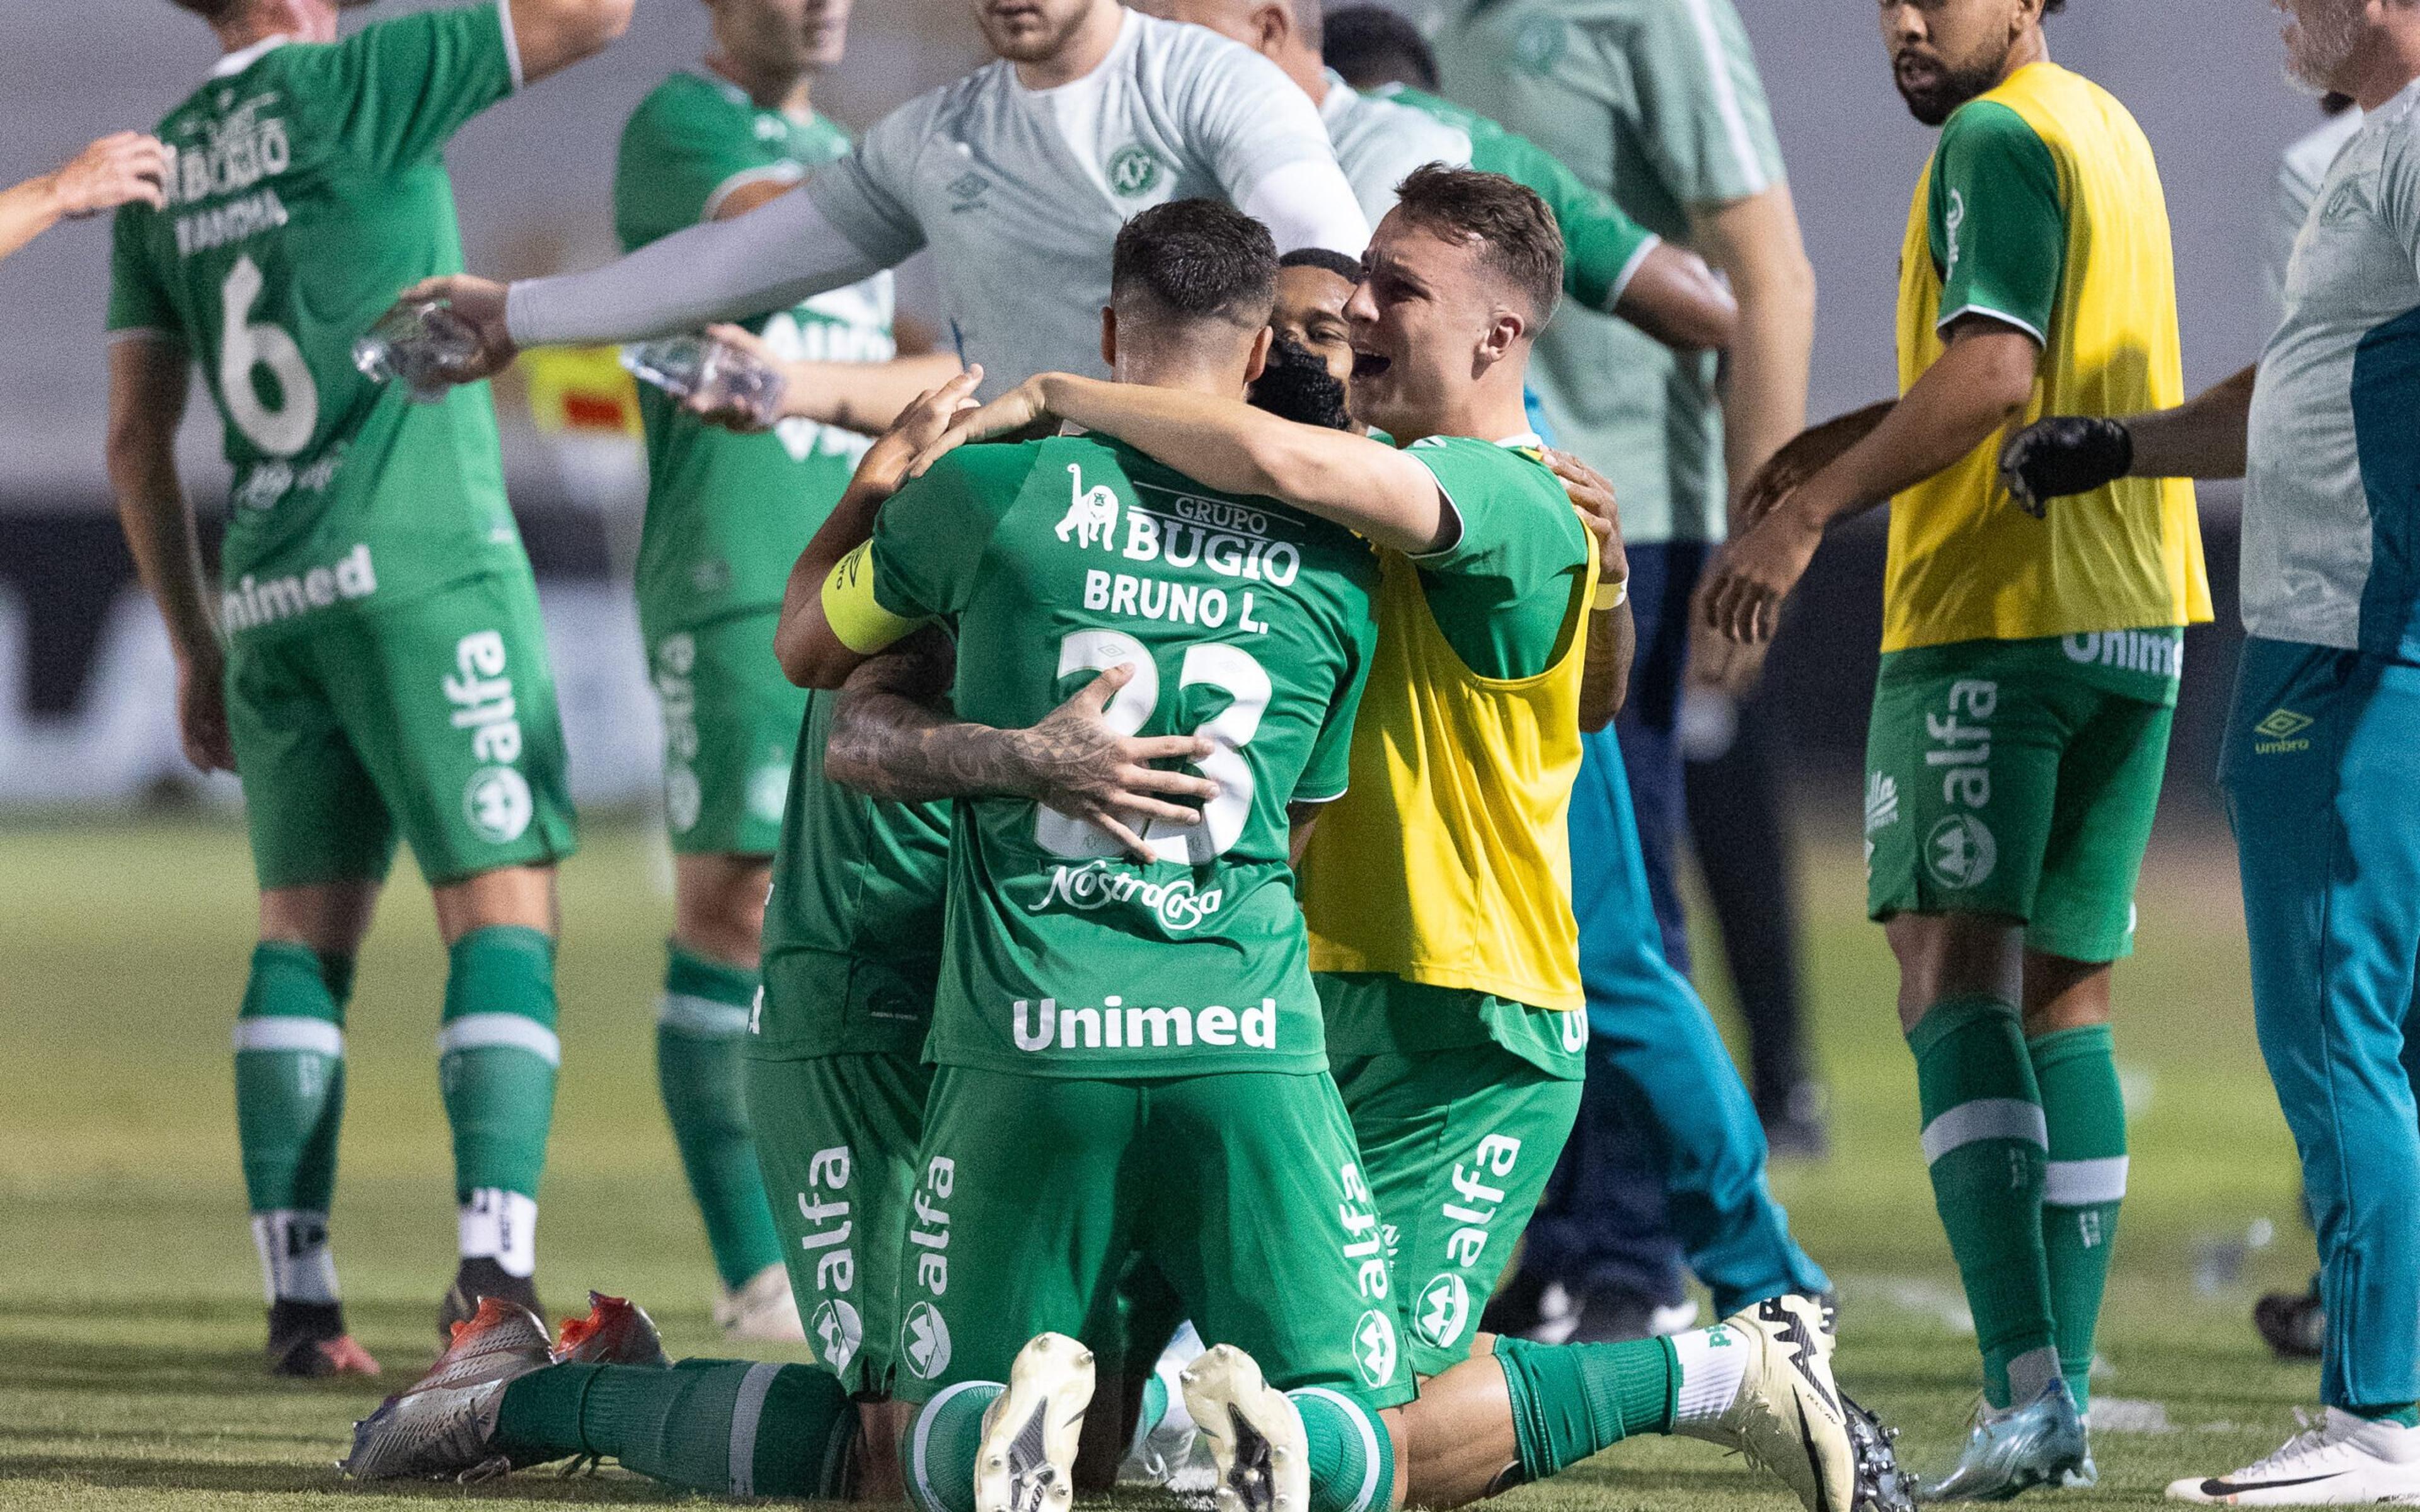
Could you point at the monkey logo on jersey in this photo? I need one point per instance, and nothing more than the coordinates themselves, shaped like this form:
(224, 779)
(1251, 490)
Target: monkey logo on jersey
(1093, 515)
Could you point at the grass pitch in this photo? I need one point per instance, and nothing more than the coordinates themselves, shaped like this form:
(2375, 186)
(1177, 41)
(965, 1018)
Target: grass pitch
(130, 1315)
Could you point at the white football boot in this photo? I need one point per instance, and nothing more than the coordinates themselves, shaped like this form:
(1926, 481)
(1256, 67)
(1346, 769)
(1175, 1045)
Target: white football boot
(2344, 1458)
(1027, 1460)
(762, 1310)
(1255, 1433)
(1788, 1416)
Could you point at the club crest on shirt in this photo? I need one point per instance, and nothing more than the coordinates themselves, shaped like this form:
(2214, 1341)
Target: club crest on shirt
(1134, 169)
(1539, 44)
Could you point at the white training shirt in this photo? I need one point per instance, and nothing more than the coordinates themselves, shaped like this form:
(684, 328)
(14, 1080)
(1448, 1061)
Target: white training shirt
(1018, 192)
(1378, 142)
(2300, 169)
(2331, 500)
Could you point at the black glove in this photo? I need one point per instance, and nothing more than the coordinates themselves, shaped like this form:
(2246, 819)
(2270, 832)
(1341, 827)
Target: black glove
(2064, 454)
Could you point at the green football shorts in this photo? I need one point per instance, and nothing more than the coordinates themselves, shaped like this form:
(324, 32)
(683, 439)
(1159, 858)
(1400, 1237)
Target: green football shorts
(1243, 1190)
(434, 718)
(1458, 1145)
(2017, 779)
(731, 727)
(836, 1138)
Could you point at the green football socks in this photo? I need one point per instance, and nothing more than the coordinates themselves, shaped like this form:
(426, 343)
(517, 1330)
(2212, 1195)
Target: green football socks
(496, 1059)
(1985, 1144)
(2083, 1186)
(289, 1101)
(700, 1031)
(938, 1459)
(724, 1427)
(1351, 1456)
(1573, 1401)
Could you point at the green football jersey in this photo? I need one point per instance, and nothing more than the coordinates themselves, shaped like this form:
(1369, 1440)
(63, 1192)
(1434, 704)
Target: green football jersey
(855, 914)
(728, 514)
(1602, 246)
(307, 189)
(1247, 623)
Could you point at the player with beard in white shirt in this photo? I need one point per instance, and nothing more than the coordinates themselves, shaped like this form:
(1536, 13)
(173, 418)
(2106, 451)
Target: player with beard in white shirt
(1018, 177)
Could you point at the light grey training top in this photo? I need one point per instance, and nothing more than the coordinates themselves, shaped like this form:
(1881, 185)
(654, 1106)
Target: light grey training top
(1018, 192)
(2331, 500)
(1379, 142)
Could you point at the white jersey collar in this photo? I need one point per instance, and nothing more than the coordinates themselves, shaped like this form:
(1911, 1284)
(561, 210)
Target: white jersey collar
(235, 63)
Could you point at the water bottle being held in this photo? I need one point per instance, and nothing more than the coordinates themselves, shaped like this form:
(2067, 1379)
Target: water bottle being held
(422, 344)
(712, 378)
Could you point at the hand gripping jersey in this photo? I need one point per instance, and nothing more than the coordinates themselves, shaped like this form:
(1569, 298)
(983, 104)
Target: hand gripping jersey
(307, 189)
(1448, 862)
(728, 514)
(2041, 209)
(1019, 191)
(1248, 623)
(2331, 503)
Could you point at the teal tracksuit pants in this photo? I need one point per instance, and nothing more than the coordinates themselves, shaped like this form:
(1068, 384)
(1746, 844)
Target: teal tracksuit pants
(2321, 773)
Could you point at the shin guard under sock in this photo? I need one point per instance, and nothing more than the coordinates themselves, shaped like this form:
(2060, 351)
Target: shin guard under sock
(1573, 1401)
(1985, 1145)
(497, 1055)
(725, 1427)
(289, 1104)
(700, 1031)
(2083, 1186)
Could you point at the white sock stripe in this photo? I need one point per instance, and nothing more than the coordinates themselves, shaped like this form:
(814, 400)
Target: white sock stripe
(283, 1031)
(702, 1016)
(482, 1031)
(1987, 1117)
(745, 1412)
(1366, 1500)
(919, 1483)
(2082, 1183)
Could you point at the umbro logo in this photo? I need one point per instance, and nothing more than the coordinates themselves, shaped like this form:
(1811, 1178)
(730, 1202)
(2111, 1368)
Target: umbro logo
(968, 190)
(2281, 733)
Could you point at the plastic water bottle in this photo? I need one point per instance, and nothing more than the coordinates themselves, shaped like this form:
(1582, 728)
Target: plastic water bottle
(710, 375)
(421, 343)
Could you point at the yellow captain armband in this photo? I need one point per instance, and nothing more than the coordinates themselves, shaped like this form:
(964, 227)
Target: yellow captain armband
(857, 618)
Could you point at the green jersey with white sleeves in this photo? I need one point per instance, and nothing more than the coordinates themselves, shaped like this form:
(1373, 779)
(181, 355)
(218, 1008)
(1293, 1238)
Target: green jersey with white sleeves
(1247, 623)
(1657, 104)
(306, 189)
(728, 514)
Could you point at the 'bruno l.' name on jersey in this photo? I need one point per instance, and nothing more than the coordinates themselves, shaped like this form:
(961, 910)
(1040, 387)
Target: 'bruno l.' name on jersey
(728, 514)
(1247, 623)
(307, 188)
